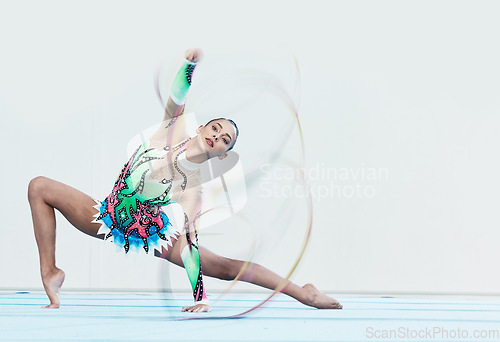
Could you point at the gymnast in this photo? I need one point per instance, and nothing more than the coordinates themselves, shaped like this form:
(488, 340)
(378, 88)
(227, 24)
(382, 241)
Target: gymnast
(162, 171)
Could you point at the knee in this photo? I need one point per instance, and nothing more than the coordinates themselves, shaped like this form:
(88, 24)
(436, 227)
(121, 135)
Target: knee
(36, 187)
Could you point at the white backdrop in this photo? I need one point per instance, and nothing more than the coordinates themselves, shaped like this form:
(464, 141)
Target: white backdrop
(398, 104)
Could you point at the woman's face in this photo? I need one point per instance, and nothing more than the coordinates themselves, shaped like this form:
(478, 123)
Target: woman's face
(217, 137)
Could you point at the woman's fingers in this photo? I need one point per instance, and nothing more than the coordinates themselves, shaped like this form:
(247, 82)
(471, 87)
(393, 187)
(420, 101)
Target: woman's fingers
(197, 308)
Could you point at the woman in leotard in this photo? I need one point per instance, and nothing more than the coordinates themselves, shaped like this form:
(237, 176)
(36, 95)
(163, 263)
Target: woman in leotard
(163, 170)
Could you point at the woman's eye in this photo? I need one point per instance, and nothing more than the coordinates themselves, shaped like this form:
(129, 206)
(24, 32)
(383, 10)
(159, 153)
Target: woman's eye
(213, 127)
(225, 141)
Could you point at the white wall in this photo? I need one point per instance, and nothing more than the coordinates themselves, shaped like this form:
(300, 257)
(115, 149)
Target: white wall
(404, 93)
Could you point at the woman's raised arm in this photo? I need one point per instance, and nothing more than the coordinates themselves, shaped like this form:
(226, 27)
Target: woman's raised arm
(181, 84)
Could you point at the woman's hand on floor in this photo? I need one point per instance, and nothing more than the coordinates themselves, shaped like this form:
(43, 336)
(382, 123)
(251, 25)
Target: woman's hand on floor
(197, 308)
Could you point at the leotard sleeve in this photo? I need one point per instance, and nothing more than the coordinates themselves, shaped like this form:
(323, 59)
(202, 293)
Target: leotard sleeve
(191, 204)
(182, 82)
(179, 89)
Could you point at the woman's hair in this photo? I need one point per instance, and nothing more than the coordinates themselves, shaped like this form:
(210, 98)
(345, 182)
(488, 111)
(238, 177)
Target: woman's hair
(235, 127)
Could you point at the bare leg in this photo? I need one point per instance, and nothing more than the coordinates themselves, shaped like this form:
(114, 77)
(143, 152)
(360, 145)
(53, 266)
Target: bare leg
(44, 196)
(223, 268)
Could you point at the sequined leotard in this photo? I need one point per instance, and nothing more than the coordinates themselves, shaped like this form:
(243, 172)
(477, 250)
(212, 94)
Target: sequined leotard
(131, 216)
(154, 176)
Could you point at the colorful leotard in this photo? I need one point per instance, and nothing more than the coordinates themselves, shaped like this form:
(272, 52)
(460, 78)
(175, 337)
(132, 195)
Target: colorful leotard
(156, 175)
(131, 210)
(131, 214)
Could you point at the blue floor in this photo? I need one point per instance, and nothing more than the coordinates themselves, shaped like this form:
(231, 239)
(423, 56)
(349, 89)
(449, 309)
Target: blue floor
(156, 317)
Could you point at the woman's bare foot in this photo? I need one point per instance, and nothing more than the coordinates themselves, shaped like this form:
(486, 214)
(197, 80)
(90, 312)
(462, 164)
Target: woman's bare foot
(52, 283)
(319, 300)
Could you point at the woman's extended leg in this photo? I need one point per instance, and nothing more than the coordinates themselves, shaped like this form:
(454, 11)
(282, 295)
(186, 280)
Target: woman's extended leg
(223, 268)
(44, 196)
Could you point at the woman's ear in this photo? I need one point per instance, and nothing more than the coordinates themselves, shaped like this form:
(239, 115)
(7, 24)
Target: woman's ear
(222, 156)
(199, 129)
